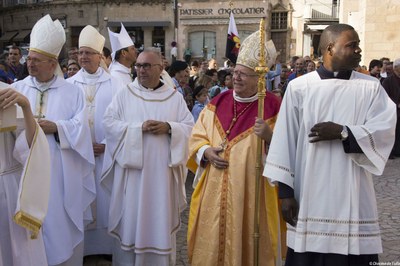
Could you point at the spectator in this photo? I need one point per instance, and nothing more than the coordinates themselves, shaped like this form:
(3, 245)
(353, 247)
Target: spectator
(392, 87)
(16, 70)
(174, 52)
(200, 94)
(106, 55)
(375, 68)
(310, 66)
(73, 68)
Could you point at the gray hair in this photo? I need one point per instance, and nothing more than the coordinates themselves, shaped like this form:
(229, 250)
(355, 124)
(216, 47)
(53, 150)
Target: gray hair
(154, 50)
(396, 62)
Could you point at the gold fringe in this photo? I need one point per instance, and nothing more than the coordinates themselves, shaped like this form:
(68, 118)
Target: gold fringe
(44, 53)
(29, 222)
(6, 129)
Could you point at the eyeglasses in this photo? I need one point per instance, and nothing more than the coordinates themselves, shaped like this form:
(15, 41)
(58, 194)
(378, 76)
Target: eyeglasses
(88, 53)
(35, 61)
(146, 66)
(243, 75)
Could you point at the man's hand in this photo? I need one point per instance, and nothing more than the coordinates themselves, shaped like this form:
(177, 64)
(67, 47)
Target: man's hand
(9, 97)
(155, 127)
(290, 210)
(98, 149)
(211, 154)
(48, 126)
(325, 131)
(262, 130)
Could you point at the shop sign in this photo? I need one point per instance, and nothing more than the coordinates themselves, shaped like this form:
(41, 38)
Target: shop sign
(221, 11)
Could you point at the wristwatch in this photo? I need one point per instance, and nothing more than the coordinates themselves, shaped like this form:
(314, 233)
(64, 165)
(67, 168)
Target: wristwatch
(344, 134)
(169, 129)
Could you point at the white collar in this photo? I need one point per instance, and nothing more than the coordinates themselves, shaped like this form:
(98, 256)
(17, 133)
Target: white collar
(245, 100)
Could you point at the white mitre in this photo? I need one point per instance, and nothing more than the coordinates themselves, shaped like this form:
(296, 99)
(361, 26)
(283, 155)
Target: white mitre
(119, 40)
(90, 37)
(47, 37)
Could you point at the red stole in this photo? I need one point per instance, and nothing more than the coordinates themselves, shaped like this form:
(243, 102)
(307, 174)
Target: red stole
(224, 113)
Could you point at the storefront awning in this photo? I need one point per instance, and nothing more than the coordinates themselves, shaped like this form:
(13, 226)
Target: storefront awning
(139, 23)
(317, 27)
(21, 35)
(8, 36)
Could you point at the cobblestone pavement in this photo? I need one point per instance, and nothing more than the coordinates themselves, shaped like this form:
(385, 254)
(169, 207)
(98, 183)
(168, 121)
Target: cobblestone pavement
(387, 189)
(388, 197)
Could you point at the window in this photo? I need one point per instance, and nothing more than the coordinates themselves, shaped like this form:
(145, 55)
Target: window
(203, 44)
(243, 34)
(279, 20)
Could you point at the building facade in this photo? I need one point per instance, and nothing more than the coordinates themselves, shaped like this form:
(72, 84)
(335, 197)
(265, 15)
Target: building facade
(203, 25)
(295, 26)
(148, 22)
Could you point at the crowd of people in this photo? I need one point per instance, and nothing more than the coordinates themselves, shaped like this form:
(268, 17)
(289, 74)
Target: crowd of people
(108, 137)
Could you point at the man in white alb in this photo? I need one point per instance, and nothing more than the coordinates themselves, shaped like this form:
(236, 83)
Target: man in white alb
(334, 131)
(147, 130)
(123, 55)
(60, 109)
(99, 88)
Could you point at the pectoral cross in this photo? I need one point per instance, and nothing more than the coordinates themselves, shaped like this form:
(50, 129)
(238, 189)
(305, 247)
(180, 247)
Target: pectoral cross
(39, 108)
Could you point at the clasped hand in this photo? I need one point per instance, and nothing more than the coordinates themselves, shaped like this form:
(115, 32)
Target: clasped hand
(155, 127)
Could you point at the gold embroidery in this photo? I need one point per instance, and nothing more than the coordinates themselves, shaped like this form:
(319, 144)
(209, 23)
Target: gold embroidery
(6, 129)
(151, 100)
(29, 222)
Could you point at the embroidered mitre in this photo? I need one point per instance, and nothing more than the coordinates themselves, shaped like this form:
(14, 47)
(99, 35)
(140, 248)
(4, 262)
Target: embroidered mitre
(249, 53)
(47, 37)
(90, 37)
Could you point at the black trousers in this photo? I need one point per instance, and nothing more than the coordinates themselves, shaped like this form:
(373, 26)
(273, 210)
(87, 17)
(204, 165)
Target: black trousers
(328, 259)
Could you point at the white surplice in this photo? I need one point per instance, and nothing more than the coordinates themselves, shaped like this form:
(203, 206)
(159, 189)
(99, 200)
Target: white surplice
(120, 72)
(16, 247)
(148, 191)
(338, 212)
(72, 187)
(99, 89)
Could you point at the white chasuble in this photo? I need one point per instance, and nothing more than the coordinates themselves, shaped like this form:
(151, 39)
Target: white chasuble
(72, 187)
(338, 212)
(99, 89)
(148, 186)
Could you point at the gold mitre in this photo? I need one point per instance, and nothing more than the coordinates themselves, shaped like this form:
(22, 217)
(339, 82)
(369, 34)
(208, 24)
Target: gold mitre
(249, 53)
(47, 37)
(90, 37)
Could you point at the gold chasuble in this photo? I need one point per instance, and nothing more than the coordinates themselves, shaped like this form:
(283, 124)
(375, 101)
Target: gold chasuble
(221, 220)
